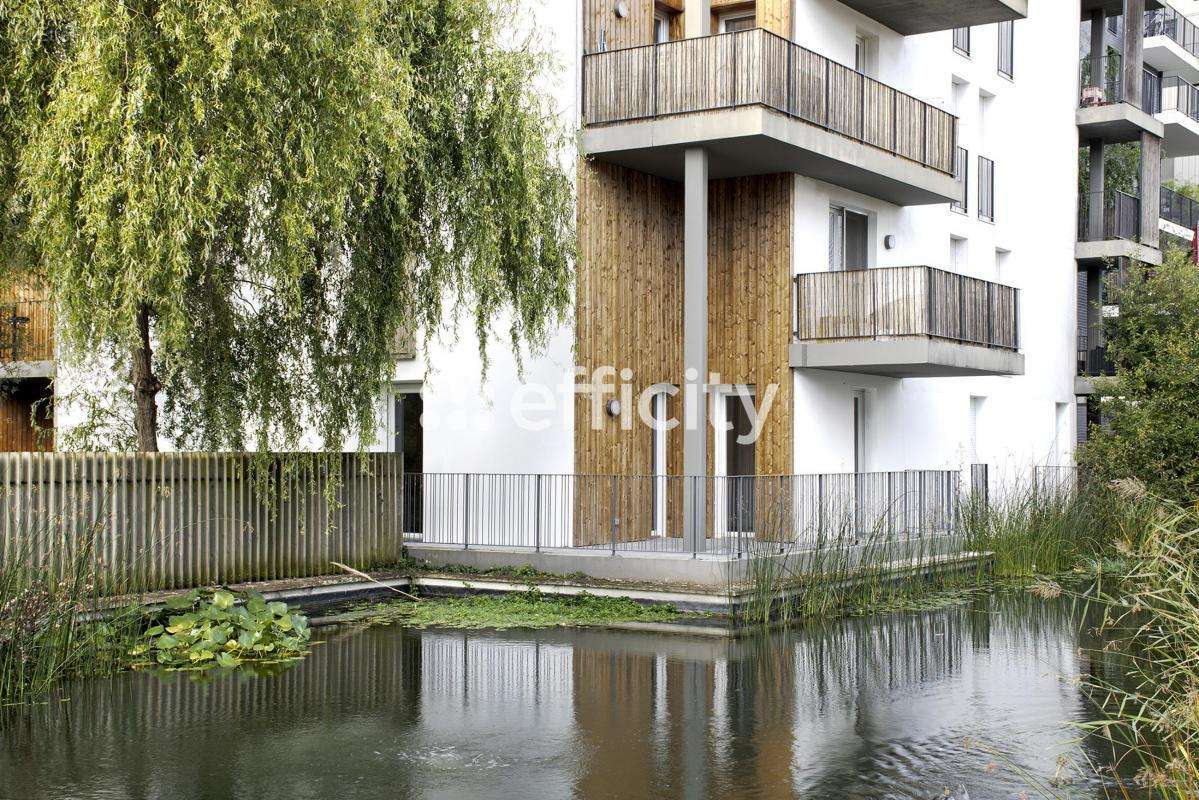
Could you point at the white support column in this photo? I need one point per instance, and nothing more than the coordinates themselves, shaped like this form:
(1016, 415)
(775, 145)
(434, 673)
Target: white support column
(697, 18)
(695, 345)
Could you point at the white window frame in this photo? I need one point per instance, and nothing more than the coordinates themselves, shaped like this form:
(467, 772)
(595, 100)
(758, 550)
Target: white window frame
(843, 210)
(658, 410)
(731, 16)
(720, 456)
(861, 412)
(662, 33)
(865, 49)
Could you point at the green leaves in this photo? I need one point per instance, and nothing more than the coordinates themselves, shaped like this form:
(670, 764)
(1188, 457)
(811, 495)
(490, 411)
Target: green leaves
(1151, 408)
(285, 184)
(217, 630)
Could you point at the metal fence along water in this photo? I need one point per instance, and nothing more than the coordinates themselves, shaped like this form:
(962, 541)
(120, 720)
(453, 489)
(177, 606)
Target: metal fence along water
(163, 521)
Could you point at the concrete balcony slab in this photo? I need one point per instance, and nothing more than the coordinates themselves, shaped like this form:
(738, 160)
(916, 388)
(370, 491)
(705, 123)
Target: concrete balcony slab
(925, 16)
(22, 370)
(755, 140)
(1168, 56)
(912, 357)
(1109, 250)
(1116, 122)
(1181, 133)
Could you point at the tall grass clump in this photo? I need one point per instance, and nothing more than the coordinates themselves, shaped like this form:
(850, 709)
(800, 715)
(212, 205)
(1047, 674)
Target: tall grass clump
(1153, 616)
(1051, 523)
(47, 586)
(850, 561)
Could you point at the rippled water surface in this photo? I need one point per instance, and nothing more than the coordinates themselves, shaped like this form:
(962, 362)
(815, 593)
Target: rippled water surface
(896, 706)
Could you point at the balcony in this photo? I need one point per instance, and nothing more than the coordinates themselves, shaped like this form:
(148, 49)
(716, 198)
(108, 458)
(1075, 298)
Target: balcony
(1179, 115)
(760, 104)
(1093, 362)
(1172, 43)
(906, 322)
(26, 339)
(1179, 210)
(925, 16)
(1114, 233)
(1104, 109)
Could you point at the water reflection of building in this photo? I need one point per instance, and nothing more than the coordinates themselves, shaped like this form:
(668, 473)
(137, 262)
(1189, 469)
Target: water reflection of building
(845, 709)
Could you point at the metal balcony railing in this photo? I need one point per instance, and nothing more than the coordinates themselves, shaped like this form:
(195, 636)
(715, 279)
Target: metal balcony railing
(892, 302)
(1179, 209)
(1094, 362)
(1170, 23)
(1120, 219)
(1178, 95)
(1105, 86)
(757, 67)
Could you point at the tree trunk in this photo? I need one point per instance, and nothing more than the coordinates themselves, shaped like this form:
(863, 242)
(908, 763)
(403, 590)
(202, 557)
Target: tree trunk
(145, 385)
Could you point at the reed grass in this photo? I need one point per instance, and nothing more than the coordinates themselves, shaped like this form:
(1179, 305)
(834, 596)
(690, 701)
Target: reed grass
(50, 585)
(1152, 614)
(847, 565)
(1041, 527)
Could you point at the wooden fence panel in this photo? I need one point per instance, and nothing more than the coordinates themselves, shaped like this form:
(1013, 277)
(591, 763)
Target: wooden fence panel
(171, 520)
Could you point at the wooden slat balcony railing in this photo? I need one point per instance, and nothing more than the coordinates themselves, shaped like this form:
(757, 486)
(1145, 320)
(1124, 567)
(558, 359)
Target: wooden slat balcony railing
(895, 302)
(26, 331)
(757, 67)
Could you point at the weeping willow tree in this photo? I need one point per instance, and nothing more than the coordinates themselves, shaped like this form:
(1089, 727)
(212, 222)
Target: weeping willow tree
(239, 203)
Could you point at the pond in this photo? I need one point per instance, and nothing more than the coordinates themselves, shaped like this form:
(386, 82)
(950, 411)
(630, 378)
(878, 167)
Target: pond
(900, 705)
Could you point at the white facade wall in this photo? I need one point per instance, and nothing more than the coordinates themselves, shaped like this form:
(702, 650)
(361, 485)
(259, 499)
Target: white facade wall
(1027, 127)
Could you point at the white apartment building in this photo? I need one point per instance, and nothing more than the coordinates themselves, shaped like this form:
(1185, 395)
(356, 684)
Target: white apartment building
(868, 403)
(849, 234)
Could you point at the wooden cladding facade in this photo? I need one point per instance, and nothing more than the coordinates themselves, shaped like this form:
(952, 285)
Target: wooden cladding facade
(630, 317)
(19, 402)
(26, 325)
(603, 30)
(749, 302)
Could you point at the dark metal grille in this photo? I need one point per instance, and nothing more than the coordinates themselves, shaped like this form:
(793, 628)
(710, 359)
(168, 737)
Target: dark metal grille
(1108, 215)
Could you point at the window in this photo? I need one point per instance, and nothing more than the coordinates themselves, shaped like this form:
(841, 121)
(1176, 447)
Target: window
(959, 254)
(864, 49)
(976, 410)
(859, 431)
(737, 460)
(1061, 433)
(1001, 264)
(739, 21)
(658, 467)
(961, 40)
(986, 109)
(661, 27)
(986, 189)
(961, 173)
(408, 441)
(849, 239)
(1007, 48)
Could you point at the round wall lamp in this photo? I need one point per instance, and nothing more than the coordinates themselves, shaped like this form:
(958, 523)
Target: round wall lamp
(889, 241)
(622, 9)
(612, 407)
